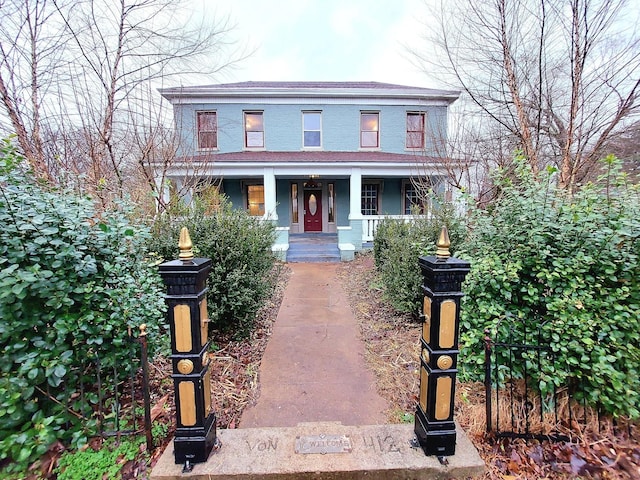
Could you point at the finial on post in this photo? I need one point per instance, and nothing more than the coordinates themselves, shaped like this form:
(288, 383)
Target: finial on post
(443, 244)
(185, 246)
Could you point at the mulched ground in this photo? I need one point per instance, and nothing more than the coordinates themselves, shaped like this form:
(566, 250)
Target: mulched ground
(392, 352)
(392, 340)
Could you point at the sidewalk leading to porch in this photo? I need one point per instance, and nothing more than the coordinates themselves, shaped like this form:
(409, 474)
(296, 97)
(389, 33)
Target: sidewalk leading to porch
(313, 368)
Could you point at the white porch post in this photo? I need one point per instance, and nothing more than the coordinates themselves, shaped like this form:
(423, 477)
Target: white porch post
(270, 194)
(355, 210)
(355, 192)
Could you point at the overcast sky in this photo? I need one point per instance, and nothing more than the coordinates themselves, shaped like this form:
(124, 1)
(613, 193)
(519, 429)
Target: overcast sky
(330, 40)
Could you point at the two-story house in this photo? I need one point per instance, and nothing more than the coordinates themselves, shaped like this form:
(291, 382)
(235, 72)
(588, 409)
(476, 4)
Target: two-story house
(331, 157)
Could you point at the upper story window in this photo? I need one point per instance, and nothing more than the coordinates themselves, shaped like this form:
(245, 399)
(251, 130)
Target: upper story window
(369, 130)
(253, 130)
(416, 129)
(311, 129)
(207, 130)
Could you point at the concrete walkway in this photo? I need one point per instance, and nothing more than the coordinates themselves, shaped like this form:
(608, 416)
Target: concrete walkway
(313, 368)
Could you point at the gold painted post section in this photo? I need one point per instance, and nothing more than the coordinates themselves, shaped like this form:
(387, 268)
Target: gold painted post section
(185, 245)
(442, 279)
(186, 280)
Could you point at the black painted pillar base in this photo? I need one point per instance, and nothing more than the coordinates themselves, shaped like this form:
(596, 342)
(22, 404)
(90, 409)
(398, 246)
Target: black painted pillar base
(195, 444)
(434, 442)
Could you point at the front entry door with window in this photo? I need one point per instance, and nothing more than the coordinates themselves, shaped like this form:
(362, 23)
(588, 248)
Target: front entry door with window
(313, 211)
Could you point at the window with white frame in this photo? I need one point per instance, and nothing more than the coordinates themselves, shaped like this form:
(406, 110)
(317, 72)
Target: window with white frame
(416, 129)
(311, 129)
(253, 130)
(369, 130)
(370, 198)
(207, 123)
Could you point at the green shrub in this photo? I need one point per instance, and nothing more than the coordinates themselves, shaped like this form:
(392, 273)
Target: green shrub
(239, 246)
(397, 246)
(71, 284)
(566, 263)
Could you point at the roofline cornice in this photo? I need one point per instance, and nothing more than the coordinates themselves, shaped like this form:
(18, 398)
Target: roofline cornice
(178, 95)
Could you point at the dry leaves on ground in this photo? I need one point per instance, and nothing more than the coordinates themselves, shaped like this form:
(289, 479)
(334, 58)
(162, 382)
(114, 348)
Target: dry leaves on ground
(392, 352)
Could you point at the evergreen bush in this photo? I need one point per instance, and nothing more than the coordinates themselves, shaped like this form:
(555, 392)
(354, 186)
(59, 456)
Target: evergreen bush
(71, 284)
(397, 246)
(569, 264)
(239, 245)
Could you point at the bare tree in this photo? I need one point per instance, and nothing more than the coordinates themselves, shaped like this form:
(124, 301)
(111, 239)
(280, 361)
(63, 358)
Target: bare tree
(31, 46)
(106, 116)
(558, 77)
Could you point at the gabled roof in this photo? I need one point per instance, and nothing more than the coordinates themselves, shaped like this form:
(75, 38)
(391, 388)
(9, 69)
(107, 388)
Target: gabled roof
(308, 90)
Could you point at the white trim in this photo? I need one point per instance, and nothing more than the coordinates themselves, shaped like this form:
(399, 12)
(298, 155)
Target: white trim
(270, 203)
(355, 194)
(304, 170)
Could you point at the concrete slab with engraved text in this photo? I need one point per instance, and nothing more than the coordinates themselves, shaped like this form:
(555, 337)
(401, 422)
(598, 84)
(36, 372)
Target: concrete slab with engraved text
(377, 452)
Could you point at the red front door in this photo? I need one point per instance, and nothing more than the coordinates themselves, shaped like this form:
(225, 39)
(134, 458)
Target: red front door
(313, 211)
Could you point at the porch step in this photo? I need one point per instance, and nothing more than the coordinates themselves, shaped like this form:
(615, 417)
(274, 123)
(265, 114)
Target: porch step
(321, 451)
(313, 247)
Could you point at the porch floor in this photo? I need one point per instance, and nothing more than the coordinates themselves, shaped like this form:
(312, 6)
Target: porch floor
(313, 248)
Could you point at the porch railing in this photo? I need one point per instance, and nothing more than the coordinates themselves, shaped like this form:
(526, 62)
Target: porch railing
(370, 223)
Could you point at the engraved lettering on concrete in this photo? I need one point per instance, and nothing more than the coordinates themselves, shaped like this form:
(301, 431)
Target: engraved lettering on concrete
(323, 444)
(381, 444)
(270, 444)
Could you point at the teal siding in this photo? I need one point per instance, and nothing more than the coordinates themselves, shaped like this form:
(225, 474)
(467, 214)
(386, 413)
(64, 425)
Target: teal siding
(233, 190)
(391, 197)
(342, 202)
(283, 208)
(283, 126)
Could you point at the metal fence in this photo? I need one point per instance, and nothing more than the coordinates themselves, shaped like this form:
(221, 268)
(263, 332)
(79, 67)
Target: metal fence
(112, 400)
(520, 402)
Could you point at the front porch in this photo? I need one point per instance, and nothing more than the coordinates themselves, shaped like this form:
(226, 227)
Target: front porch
(329, 247)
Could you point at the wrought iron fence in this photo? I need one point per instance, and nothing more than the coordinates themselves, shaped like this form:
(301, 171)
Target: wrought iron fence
(110, 400)
(520, 400)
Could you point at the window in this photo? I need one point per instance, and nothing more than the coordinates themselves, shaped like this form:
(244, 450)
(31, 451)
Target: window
(294, 203)
(413, 203)
(332, 202)
(253, 130)
(209, 194)
(369, 130)
(423, 197)
(207, 130)
(370, 198)
(415, 129)
(311, 130)
(255, 200)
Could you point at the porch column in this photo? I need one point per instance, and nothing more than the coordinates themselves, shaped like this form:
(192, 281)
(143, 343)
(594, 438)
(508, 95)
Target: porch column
(270, 194)
(355, 192)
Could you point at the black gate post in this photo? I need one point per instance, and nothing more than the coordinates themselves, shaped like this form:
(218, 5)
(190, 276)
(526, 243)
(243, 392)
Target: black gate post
(442, 282)
(186, 300)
